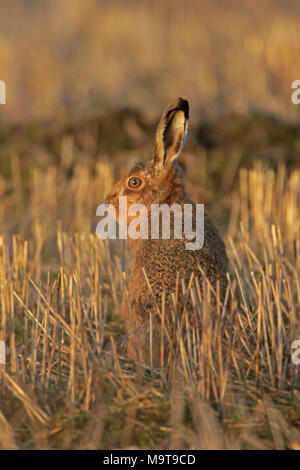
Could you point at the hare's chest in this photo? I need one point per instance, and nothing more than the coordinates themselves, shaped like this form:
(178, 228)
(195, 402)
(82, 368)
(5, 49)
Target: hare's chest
(155, 268)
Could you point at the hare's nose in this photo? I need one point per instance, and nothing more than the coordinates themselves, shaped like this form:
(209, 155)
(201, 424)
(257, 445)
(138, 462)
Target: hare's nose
(110, 196)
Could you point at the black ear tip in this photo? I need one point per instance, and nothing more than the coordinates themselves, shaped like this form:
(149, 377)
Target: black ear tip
(183, 105)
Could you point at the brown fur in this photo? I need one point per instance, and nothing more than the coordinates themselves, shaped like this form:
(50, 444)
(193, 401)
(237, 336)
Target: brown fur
(163, 182)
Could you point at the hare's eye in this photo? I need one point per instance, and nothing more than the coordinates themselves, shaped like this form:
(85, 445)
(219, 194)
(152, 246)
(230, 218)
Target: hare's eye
(134, 182)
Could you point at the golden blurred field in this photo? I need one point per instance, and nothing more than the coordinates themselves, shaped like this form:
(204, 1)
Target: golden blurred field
(80, 56)
(85, 86)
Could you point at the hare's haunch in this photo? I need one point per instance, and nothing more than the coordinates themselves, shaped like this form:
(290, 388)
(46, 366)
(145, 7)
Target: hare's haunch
(156, 264)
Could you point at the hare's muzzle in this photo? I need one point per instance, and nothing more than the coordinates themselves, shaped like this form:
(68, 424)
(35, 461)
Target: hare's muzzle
(110, 197)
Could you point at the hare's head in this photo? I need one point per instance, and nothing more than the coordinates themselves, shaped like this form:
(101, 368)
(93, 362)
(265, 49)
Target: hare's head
(160, 180)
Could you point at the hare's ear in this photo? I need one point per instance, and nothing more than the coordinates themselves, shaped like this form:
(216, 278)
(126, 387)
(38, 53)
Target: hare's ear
(171, 133)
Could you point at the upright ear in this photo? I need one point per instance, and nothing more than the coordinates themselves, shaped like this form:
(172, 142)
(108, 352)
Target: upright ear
(171, 133)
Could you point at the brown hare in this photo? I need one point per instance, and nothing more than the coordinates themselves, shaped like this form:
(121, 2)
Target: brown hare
(161, 262)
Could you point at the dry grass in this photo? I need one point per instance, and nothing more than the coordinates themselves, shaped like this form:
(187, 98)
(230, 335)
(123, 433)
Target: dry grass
(102, 54)
(67, 382)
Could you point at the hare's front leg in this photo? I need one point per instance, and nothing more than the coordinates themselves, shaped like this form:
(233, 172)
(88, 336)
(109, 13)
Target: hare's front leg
(135, 330)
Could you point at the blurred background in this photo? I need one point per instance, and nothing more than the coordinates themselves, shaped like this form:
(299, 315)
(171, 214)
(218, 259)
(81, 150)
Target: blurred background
(82, 56)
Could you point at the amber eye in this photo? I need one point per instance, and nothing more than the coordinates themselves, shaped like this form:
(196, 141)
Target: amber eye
(134, 182)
